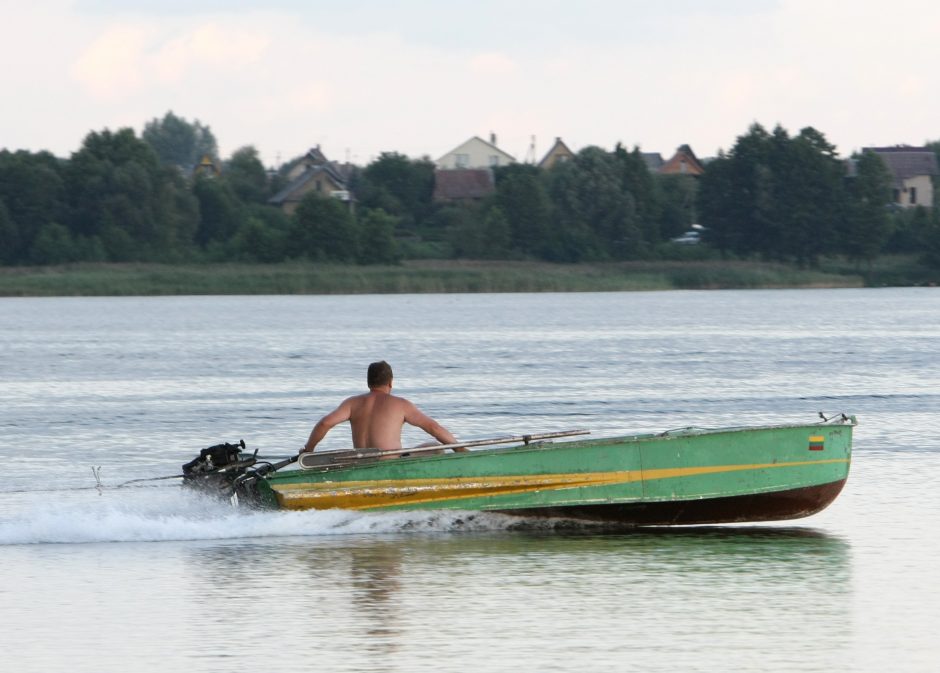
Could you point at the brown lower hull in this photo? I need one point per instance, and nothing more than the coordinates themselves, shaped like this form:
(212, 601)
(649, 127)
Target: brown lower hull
(793, 504)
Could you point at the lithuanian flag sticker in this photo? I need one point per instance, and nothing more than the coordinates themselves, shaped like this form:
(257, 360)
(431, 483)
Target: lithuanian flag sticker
(817, 443)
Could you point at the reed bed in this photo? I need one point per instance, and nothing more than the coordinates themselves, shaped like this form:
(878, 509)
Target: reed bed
(426, 276)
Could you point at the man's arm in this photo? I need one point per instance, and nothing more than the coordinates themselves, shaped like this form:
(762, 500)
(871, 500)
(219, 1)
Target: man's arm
(416, 417)
(327, 423)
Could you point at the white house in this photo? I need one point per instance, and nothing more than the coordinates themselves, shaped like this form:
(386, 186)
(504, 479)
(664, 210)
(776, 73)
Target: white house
(475, 153)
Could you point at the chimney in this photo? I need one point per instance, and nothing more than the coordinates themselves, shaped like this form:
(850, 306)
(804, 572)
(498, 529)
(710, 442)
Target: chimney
(492, 138)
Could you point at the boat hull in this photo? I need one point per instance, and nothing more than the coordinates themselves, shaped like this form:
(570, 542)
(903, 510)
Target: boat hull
(679, 477)
(795, 503)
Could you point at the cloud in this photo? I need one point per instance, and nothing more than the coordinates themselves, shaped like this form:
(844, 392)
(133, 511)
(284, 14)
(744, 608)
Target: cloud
(113, 63)
(213, 45)
(125, 58)
(419, 78)
(492, 64)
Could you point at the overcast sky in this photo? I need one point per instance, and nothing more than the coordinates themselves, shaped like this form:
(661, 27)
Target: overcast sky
(419, 77)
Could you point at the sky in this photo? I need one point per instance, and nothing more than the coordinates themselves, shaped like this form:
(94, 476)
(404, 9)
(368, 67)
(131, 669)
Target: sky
(419, 77)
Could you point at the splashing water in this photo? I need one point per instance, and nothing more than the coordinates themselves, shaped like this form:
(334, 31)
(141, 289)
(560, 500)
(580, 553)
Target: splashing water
(174, 515)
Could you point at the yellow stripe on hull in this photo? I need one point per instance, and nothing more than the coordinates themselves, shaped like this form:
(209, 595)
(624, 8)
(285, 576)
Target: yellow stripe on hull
(379, 494)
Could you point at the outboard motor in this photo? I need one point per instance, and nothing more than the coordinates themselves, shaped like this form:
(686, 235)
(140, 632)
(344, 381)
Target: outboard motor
(216, 468)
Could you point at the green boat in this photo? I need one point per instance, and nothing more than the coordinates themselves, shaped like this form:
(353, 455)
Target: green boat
(683, 476)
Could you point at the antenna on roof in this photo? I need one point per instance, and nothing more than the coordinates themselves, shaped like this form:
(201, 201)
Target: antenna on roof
(530, 154)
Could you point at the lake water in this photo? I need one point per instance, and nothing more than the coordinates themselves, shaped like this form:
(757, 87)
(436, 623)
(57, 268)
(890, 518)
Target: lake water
(149, 579)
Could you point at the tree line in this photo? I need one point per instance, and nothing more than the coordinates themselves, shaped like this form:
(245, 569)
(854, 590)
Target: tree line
(790, 198)
(123, 197)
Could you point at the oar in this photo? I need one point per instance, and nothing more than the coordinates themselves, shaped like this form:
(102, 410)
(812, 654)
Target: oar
(325, 458)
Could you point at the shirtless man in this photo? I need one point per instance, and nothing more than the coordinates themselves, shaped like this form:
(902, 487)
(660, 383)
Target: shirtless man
(377, 416)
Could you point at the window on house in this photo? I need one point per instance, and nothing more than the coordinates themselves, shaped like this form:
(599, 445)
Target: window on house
(462, 160)
(494, 160)
(897, 195)
(319, 186)
(913, 194)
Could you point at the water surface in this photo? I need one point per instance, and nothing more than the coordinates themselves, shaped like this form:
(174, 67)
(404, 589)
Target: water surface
(152, 579)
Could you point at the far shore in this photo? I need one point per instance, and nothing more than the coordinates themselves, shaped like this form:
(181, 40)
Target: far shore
(415, 276)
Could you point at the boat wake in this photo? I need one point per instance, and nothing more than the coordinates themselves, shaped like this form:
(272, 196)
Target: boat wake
(173, 515)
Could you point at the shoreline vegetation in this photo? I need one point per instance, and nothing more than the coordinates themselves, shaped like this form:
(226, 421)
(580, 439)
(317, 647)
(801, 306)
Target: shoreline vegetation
(421, 276)
(161, 214)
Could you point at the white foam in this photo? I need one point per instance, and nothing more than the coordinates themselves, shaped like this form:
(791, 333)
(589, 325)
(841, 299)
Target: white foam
(176, 515)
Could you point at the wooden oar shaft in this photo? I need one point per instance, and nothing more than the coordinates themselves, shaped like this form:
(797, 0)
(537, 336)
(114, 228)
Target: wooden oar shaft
(496, 440)
(343, 455)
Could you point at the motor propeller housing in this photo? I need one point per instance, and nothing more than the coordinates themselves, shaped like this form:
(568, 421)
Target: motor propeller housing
(215, 469)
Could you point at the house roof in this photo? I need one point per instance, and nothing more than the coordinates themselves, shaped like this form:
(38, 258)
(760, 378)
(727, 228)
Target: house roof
(463, 183)
(207, 165)
(907, 162)
(478, 139)
(304, 178)
(558, 149)
(315, 156)
(654, 160)
(683, 161)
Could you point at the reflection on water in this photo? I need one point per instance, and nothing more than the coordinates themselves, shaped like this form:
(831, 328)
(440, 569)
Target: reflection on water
(375, 576)
(363, 603)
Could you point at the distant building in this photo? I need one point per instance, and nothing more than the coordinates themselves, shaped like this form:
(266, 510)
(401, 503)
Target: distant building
(313, 173)
(912, 170)
(475, 153)
(463, 185)
(683, 162)
(654, 161)
(558, 153)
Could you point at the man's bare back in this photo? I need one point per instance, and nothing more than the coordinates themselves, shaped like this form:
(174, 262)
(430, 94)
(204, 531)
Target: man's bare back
(377, 417)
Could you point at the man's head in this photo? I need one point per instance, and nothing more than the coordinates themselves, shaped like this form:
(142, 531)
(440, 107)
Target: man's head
(380, 374)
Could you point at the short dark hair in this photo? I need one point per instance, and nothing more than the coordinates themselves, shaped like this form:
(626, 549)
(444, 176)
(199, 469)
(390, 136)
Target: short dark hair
(380, 374)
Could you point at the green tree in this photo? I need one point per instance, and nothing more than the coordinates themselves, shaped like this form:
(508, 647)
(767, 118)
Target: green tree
(113, 182)
(53, 245)
(808, 194)
(177, 218)
(596, 217)
(262, 236)
(678, 195)
(247, 176)
(257, 242)
(9, 236)
(751, 217)
(464, 231)
(323, 228)
(524, 203)
(220, 211)
(453, 230)
(930, 248)
(400, 186)
(716, 199)
(32, 187)
(909, 229)
(774, 195)
(867, 225)
(377, 243)
(497, 234)
(178, 142)
(648, 197)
